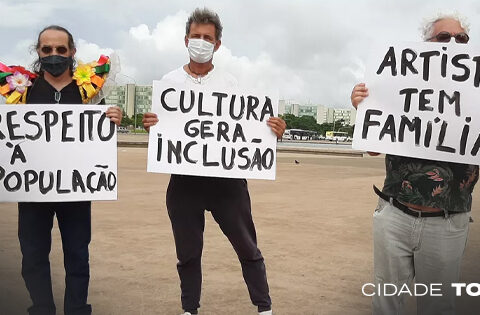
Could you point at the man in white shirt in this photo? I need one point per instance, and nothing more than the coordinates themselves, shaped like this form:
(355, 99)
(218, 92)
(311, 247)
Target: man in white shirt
(227, 198)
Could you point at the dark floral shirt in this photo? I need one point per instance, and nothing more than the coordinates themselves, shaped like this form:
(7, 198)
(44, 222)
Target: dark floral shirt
(436, 184)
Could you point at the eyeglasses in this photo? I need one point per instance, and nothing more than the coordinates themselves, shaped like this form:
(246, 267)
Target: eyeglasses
(444, 37)
(49, 49)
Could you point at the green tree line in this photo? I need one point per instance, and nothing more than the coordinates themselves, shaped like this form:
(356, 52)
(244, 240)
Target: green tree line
(310, 123)
(293, 122)
(130, 121)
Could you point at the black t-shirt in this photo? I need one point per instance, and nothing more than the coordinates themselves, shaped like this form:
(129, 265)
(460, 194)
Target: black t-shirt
(42, 92)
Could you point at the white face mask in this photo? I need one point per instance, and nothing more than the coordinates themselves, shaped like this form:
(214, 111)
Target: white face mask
(200, 50)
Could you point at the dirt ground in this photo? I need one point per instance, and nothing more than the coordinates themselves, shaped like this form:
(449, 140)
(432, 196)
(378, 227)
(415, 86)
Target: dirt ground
(314, 226)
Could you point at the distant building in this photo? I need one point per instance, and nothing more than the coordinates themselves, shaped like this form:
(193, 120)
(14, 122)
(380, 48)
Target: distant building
(138, 99)
(321, 113)
(143, 98)
(336, 114)
(131, 98)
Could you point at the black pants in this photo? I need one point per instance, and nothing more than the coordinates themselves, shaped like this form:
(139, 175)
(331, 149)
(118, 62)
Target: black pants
(35, 222)
(229, 202)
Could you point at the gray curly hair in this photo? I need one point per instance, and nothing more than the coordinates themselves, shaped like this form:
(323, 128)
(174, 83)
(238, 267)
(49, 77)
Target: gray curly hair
(428, 23)
(205, 16)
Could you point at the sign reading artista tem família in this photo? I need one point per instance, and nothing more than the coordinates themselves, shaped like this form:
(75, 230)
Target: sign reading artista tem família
(57, 153)
(424, 102)
(212, 132)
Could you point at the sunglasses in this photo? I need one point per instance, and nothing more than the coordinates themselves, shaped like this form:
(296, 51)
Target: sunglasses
(444, 37)
(49, 49)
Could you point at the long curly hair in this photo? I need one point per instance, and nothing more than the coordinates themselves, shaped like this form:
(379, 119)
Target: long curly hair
(37, 66)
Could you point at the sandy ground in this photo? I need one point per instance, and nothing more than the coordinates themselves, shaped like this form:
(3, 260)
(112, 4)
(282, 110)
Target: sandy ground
(313, 225)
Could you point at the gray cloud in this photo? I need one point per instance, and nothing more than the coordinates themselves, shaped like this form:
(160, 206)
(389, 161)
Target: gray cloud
(314, 51)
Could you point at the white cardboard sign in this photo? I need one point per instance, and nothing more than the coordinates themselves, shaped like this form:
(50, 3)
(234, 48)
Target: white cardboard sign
(424, 102)
(57, 153)
(212, 132)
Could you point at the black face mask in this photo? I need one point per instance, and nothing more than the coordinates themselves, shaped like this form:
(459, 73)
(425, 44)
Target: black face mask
(55, 64)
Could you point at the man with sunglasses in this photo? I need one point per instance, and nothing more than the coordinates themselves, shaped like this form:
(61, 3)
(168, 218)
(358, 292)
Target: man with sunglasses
(54, 82)
(420, 225)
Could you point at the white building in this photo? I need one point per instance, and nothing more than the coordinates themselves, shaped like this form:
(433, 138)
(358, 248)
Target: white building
(133, 99)
(321, 113)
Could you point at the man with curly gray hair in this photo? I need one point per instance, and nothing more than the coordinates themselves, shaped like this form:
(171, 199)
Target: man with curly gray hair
(421, 223)
(227, 199)
(429, 24)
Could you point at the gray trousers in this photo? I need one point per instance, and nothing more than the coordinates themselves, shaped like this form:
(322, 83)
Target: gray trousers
(428, 250)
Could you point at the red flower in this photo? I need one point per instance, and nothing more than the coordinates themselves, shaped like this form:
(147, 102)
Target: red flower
(22, 70)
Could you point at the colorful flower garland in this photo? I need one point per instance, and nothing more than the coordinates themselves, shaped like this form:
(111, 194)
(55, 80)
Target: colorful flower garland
(14, 82)
(90, 77)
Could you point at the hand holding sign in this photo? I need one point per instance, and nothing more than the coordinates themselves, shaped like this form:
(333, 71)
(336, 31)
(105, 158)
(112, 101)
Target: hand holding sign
(115, 114)
(149, 120)
(277, 125)
(360, 91)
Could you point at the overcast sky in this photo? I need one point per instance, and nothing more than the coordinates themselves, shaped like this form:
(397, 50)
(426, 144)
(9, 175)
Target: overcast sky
(313, 51)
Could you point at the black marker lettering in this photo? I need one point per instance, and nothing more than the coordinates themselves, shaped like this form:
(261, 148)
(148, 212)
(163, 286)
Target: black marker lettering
(191, 131)
(162, 100)
(389, 61)
(89, 182)
(245, 157)
(45, 189)
(18, 184)
(175, 149)
(455, 98)
(367, 122)
(256, 160)
(186, 150)
(224, 159)
(220, 97)
(26, 117)
(388, 128)
(408, 98)
(11, 126)
(51, 119)
(222, 131)
(59, 184)
(205, 157)
(413, 125)
(77, 181)
(422, 102)
(252, 104)
(456, 63)
(200, 106)
(441, 138)
(112, 181)
(101, 121)
(407, 62)
(232, 108)
(159, 147)
(65, 126)
(268, 155)
(205, 128)
(102, 181)
(184, 109)
(17, 154)
(426, 55)
(238, 133)
(267, 108)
